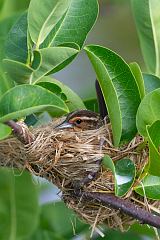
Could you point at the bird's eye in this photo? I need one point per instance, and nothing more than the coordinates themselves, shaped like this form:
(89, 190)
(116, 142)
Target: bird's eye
(78, 121)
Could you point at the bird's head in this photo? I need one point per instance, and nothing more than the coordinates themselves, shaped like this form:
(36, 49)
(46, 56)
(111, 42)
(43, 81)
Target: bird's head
(81, 120)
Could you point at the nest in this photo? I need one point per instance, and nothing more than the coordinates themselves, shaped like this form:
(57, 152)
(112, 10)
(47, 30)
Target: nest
(66, 157)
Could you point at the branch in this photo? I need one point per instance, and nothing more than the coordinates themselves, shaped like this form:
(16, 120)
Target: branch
(21, 131)
(123, 205)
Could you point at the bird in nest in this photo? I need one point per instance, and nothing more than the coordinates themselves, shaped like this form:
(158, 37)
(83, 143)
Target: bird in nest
(83, 120)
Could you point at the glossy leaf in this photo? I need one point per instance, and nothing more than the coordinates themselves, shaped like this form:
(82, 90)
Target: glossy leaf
(52, 58)
(16, 43)
(26, 99)
(13, 7)
(1, 4)
(107, 162)
(18, 71)
(5, 27)
(75, 24)
(151, 82)
(148, 111)
(70, 45)
(138, 77)
(52, 220)
(19, 210)
(129, 235)
(147, 18)
(5, 131)
(153, 133)
(142, 229)
(119, 89)
(150, 187)
(124, 173)
(51, 86)
(73, 102)
(54, 88)
(43, 16)
(57, 222)
(5, 83)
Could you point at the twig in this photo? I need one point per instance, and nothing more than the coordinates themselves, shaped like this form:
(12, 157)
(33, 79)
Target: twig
(123, 205)
(21, 131)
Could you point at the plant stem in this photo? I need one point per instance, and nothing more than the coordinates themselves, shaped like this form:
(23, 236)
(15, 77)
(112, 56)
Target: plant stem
(21, 131)
(123, 205)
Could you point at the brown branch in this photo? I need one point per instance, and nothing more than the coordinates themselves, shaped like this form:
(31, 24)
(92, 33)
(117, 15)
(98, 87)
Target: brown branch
(123, 205)
(21, 131)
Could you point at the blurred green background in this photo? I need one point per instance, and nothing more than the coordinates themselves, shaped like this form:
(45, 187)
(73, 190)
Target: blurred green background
(114, 29)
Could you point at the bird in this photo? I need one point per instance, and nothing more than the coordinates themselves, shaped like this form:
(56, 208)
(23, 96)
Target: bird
(81, 120)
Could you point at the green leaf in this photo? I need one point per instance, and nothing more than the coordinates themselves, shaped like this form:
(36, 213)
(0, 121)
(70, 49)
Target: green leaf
(70, 45)
(57, 222)
(151, 82)
(12, 7)
(37, 58)
(150, 187)
(147, 18)
(19, 209)
(138, 77)
(59, 219)
(26, 99)
(5, 131)
(18, 71)
(75, 24)
(153, 133)
(124, 173)
(5, 27)
(142, 229)
(1, 4)
(114, 235)
(5, 83)
(41, 234)
(119, 90)
(54, 88)
(73, 102)
(107, 162)
(52, 58)
(43, 16)
(91, 104)
(16, 42)
(148, 111)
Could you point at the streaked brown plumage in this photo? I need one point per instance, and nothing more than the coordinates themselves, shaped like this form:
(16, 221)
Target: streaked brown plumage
(81, 120)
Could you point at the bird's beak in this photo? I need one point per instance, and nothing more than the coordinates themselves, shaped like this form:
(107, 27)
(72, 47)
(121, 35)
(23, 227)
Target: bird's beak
(64, 125)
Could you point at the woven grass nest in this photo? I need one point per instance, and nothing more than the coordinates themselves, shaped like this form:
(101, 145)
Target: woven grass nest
(64, 157)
